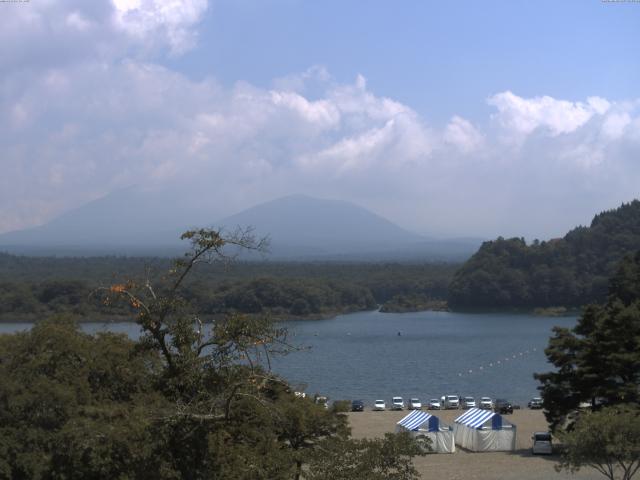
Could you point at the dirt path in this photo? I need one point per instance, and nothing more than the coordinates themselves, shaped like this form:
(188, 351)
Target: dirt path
(464, 465)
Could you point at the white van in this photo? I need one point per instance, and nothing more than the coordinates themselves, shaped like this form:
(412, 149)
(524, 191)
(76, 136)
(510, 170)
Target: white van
(451, 402)
(542, 443)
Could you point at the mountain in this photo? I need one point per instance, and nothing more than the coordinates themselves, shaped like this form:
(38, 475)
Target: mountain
(128, 221)
(137, 222)
(304, 225)
(306, 228)
(570, 271)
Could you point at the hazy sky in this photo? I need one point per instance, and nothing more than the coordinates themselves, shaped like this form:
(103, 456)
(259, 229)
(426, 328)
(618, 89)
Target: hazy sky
(450, 118)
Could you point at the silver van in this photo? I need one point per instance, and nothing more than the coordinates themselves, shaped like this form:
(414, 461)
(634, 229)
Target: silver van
(542, 443)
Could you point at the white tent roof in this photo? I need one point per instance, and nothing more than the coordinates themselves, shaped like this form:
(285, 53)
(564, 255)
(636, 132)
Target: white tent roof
(476, 418)
(415, 420)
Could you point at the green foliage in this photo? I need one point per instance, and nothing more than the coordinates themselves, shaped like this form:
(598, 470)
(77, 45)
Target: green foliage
(570, 271)
(185, 401)
(608, 441)
(598, 361)
(388, 458)
(32, 288)
(74, 405)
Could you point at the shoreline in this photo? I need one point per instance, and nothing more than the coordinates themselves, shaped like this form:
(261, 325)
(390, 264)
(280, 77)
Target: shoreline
(31, 319)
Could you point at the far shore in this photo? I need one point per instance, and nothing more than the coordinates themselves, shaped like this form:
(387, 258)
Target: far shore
(545, 312)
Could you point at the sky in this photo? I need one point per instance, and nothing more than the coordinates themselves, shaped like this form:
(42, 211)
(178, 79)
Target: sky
(466, 118)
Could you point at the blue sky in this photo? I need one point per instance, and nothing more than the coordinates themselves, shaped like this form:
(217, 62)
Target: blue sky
(438, 57)
(450, 118)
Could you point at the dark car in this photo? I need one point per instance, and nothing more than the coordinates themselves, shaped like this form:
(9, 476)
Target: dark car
(503, 406)
(357, 406)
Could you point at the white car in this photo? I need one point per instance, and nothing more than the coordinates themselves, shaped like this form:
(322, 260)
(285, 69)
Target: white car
(397, 403)
(322, 400)
(486, 403)
(469, 402)
(379, 405)
(451, 402)
(434, 404)
(542, 443)
(414, 404)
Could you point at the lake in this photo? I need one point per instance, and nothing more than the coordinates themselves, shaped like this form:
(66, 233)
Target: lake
(370, 355)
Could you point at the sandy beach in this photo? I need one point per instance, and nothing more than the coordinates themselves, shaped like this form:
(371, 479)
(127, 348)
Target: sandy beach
(465, 465)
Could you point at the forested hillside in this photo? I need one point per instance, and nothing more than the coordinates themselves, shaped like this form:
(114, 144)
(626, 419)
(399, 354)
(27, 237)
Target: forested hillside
(32, 288)
(571, 271)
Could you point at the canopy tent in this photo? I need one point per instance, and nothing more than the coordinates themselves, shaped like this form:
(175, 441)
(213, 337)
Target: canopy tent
(422, 424)
(484, 431)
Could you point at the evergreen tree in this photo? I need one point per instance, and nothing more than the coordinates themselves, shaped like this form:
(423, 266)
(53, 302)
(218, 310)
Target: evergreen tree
(597, 361)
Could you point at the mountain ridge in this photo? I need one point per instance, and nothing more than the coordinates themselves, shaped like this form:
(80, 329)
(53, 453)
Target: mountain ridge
(301, 227)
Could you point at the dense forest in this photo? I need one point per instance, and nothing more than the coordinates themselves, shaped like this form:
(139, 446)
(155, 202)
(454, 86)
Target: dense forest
(571, 271)
(35, 287)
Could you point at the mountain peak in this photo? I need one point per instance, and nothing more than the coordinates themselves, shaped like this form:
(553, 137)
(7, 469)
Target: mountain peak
(326, 225)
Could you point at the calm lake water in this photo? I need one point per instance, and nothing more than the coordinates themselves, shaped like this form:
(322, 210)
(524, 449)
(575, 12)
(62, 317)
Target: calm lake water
(361, 355)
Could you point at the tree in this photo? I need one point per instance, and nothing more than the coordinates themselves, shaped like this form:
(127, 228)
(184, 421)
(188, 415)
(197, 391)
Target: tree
(388, 458)
(76, 406)
(188, 400)
(607, 440)
(597, 361)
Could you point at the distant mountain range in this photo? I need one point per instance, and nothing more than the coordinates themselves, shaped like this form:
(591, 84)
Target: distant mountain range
(130, 222)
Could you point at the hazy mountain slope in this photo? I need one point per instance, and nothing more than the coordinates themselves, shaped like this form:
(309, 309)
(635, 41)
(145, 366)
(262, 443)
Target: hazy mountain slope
(138, 222)
(569, 271)
(125, 218)
(319, 226)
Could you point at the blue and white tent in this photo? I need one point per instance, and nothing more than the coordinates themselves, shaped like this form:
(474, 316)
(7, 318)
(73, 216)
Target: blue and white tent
(425, 425)
(483, 431)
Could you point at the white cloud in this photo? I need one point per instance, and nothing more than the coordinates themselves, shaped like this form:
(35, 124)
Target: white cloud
(171, 19)
(614, 125)
(322, 113)
(87, 111)
(524, 115)
(463, 135)
(39, 35)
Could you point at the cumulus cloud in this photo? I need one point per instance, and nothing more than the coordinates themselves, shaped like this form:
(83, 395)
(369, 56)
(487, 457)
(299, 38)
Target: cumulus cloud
(524, 115)
(41, 35)
(170, 21)
(105, 115)
(462, 134)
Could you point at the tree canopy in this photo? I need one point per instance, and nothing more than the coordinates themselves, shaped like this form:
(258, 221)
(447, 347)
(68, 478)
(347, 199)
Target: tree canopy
(607, 440)
(598, 361)
(571, 271)
(187, 401)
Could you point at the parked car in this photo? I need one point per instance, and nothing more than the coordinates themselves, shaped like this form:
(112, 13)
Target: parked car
(414, 404)
(486, 403)
(535, 403)
(542, 443)
(503, 406)
(379, 405)
(469, 402)
(397, 403)
(357, 406)
(434, 404)
(451, 402)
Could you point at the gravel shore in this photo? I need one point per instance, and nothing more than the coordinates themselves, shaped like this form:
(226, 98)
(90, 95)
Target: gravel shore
(465, 465)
